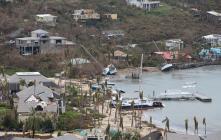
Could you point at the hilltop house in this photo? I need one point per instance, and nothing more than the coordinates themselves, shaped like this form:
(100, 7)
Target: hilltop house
(40, 98)
(28, 78)
(144, 4)
(212, 40)
(47, 19)
(41, 42)
(214, 17)
(174, 44)
(85, 14)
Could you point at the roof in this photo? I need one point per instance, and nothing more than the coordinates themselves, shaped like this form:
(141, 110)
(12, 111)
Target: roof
(40, 31)
(66, 137)
(119, 53)
(176, 136)
(57, 37)
(45, 15)
(27, 76)
(40, 92)
(212, 36)
(78, 61)
(28, 38)
(174, 40)
(213, 136)
(214, 13)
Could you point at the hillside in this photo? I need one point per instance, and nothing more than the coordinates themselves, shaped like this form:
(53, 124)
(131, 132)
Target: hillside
(140, 26)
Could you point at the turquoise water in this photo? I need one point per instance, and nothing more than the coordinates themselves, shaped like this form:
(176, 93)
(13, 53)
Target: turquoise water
(208, 83)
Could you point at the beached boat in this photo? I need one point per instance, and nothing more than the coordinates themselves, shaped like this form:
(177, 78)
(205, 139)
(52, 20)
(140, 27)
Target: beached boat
(110, 70)
(138, 103)
(166, 67)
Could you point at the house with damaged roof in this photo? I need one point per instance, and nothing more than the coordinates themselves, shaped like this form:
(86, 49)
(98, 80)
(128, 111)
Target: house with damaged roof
(40, 98)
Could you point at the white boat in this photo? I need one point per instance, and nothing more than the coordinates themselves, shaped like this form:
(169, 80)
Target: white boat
(138, 103)
(110, 70)
(166, 67)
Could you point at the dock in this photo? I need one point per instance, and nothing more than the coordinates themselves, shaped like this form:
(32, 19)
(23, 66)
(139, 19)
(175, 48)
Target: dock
(183, 97)
(202, 98)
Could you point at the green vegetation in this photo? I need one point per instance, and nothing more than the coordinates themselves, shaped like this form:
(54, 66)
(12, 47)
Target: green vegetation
(69, 121)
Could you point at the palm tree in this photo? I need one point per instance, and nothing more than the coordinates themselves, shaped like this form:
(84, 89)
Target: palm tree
(132, 120)
(195, 125)
(33, 112)
(121, 123)
(204, 123)
(5, 88)
(186, 125)
(141, 95)
(107, 131)
(167, 125)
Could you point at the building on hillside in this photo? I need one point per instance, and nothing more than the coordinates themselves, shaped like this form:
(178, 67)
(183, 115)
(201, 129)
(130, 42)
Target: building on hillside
(212, 40)
(210, 54)
(120, 56)
(41, 42)
(47, 19)
(113, 33)
(28, 78)
(144, 4)
(213, 17)
(110, 16)
(85, 14)
(40, 98)
(174, 44)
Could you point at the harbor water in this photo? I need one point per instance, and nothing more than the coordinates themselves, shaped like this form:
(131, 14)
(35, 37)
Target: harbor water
(208, 82)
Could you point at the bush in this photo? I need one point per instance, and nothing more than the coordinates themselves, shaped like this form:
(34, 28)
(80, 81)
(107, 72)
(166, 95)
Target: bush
(69, 121)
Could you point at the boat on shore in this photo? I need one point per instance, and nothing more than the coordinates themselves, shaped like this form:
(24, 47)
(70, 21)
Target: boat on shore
(110, 70)
(144, 103)
(166, 67)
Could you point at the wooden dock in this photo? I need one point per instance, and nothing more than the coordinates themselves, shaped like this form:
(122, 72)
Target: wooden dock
(202, 98)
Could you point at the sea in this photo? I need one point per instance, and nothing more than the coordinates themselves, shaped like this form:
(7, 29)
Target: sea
(204, 80)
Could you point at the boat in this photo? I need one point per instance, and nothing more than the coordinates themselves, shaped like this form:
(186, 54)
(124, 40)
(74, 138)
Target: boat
(166, 67)
(144, 103)
(110, 70)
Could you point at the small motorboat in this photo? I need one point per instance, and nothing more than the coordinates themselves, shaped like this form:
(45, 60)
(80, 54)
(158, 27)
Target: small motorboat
(110, 70)
(166, 67)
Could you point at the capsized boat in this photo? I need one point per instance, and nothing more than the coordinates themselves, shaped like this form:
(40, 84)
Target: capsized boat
(144, 103)
(110, 70)
(166, 67)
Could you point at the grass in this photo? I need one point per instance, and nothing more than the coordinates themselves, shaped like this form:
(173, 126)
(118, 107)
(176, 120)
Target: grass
(11, 71)
(163, 10)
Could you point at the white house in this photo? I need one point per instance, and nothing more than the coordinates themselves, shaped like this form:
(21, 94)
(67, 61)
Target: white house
(174, 44)
(213, 40)
(144, 4)
(46, 19)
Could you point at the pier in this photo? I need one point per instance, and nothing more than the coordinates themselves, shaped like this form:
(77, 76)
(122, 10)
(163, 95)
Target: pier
(183, 97)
